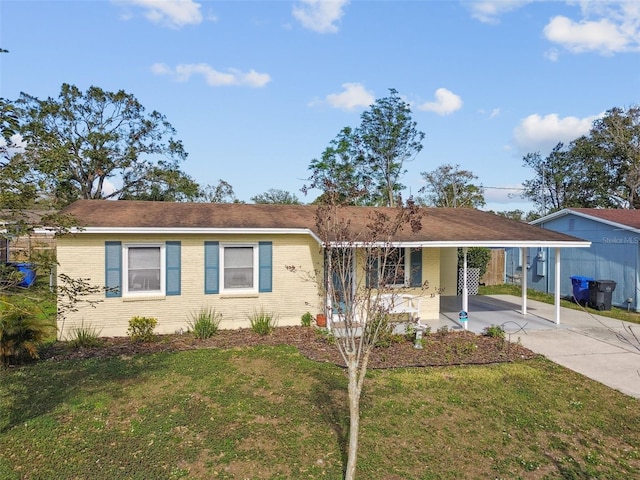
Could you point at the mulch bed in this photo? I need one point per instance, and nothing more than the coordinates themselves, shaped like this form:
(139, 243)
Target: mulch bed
(440, 349)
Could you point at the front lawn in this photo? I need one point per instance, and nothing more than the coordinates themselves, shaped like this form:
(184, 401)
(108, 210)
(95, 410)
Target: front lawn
(267, 412)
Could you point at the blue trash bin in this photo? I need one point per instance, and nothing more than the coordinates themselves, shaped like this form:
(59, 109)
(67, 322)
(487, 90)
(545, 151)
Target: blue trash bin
(581, 289)
(28, 272)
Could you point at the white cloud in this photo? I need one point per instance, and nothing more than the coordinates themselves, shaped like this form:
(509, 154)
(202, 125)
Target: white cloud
(354, 95)
(606, 27)
(490, 115)
(168, 13)
(446, 102)
(552, 54)
(320, 15)
(504, 194)
(542, 133)
(214, 78)
(602, 36)
(489, 11)
(16, 144)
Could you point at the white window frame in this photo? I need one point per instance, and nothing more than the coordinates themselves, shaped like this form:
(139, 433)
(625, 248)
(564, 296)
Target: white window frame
(126, 292)
(254, 289)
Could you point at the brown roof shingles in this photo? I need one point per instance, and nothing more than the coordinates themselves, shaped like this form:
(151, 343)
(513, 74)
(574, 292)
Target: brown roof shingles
(630, 218)
(438, 224)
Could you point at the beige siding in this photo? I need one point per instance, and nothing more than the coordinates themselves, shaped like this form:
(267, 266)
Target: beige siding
(294, 292)
(430, 305)
(449, 271)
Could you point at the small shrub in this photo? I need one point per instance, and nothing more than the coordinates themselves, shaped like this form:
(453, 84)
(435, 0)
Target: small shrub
(22, 331)
(465, 349)
(84, 336)
(306, 319)
(443, 330)
(204, 323)
(141, 329)
(384, 327)
(410, 332)
(328, 336)
(494, 331)
(263, 322)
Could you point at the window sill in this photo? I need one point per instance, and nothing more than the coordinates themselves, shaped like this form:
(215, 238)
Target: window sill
(239, 295)
(143, 298)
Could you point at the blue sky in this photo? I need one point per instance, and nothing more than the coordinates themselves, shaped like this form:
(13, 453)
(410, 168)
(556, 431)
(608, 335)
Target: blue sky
(257, 89)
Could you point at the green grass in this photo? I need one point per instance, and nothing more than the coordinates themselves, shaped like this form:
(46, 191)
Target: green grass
(269, 413)
(40, 298)
(617, 313)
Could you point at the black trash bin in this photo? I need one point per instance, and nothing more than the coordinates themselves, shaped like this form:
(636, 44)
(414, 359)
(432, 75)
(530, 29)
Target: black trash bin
(600, 292)
(581, 289)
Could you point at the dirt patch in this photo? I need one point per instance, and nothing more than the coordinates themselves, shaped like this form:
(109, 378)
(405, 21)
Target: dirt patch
(440, 349)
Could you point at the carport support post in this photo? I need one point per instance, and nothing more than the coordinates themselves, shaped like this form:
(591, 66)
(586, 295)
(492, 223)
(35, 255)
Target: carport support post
(557, 287)
(465, 288)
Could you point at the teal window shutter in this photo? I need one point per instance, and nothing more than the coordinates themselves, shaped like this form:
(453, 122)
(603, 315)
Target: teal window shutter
(415, 278)
(172, 267)
(265, 272)
(113, 269)
(211, 267)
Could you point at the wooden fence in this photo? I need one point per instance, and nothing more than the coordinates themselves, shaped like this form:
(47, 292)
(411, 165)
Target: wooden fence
(495, 268)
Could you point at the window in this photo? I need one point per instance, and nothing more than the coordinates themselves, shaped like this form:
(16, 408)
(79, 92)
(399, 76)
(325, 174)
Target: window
(392, 268)
(396, 267)
(238, 267)
(235, 267)
(137, 269)
(143, 266)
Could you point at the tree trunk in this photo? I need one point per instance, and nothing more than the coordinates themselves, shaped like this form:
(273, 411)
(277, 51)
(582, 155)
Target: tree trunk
(354, 418)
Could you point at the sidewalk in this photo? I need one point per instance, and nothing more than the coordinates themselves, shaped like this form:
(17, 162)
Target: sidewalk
(598, 347)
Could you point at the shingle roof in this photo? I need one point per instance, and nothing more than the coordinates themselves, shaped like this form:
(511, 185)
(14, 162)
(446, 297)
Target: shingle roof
(630, 218)
(439, 225)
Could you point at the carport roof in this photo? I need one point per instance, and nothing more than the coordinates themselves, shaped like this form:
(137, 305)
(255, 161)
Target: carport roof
(439, 226)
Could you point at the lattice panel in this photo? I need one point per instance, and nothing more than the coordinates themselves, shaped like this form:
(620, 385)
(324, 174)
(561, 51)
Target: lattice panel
(473, 280)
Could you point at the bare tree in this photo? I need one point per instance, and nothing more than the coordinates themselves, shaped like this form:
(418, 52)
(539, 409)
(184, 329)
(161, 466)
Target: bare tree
(366, 274)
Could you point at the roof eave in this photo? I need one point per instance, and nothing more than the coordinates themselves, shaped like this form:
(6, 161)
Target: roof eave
(470, 244)
(569, 211)
(306, 231)
(194, 231)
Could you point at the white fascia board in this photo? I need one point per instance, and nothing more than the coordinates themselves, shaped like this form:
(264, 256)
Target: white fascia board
(194, 231)
(552, 216)
(466, 243)
(306, 231)
(37, 231)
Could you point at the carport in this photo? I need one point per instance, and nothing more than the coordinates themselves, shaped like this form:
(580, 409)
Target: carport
(541, 243)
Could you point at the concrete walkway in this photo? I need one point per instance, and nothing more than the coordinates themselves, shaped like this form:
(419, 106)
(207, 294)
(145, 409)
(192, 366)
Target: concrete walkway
(598, 347)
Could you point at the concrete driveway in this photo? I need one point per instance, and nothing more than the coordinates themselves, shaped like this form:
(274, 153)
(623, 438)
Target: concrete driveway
(598, 347)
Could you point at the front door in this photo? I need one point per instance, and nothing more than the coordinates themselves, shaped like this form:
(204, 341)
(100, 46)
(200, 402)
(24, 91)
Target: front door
(341, 263)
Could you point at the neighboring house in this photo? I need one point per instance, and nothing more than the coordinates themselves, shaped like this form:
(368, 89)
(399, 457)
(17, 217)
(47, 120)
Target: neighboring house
(614, 253)
(23, 247)
(169, 260)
